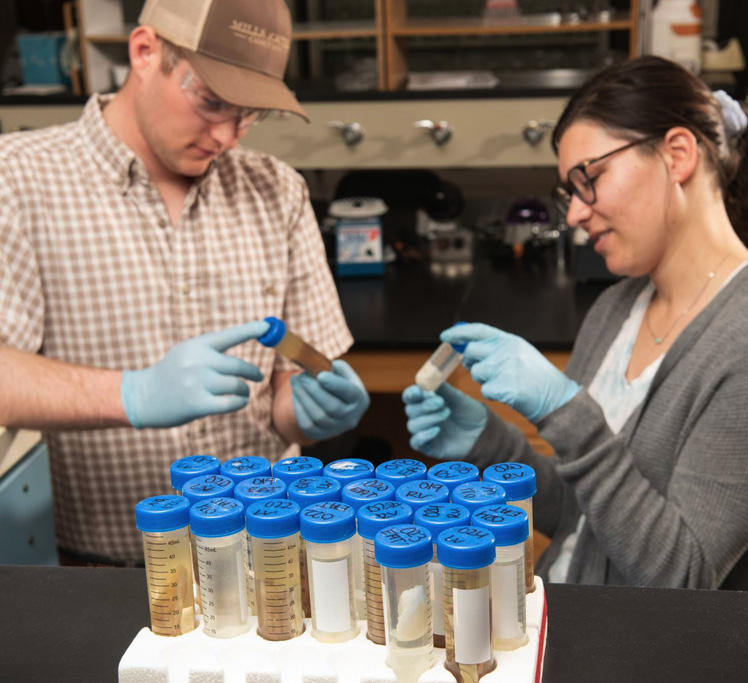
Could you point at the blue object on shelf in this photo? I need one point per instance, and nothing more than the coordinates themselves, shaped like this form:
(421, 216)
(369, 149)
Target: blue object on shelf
(45, 58)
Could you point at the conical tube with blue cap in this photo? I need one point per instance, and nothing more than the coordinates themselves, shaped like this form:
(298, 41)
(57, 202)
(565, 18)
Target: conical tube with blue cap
(437, 369)
(294, 348)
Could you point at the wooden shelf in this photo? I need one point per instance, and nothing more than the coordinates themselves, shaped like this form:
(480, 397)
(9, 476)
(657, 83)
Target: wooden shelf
(477, 26)
(111, 38)
(329, 30)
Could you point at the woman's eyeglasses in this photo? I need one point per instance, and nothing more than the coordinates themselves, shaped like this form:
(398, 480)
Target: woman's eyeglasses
(579, 182)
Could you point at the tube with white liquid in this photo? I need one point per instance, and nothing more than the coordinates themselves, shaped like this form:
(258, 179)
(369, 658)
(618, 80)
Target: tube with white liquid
(437, 369)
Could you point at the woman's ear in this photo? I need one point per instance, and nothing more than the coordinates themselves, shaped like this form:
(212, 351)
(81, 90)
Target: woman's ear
(680, 149)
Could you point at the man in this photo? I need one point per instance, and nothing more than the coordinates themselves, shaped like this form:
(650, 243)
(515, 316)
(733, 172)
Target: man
(138, 246)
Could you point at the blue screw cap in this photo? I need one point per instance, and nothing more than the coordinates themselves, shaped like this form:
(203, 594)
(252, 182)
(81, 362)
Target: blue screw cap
(273, 518)
(246, 467)
(192, 466)
(476, 494)
(403, 546)
(309, 490)
(422, 492)
(437, 517)
(162, 513)
(349, 470)
(465, 547)
(363, 491)
(328, 522)
(207, 486)
(275, 333)
(460, 348)
(373, 517)
(453, 473)
(516, 479)
(291, 469)
(216, 517)
(249, 491)
(401, 471)
(509, 524)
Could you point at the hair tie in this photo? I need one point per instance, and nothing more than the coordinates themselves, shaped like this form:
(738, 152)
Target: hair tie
(736, 120)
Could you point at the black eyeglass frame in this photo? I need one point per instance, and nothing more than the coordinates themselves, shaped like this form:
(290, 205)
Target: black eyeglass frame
(563, 192)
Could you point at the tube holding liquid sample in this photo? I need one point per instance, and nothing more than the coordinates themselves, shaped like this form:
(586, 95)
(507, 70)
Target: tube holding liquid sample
(163, 521)
(401, 471)
(404, 551)
(372, 518)
(437, 369)
(478, 494)
(519, 482)
(217, 526)
(438, 517)
(294, 348)
(273, 527)
(192, 466)
(291, 469)
(467, 553)
(509, 526)
(328, 529)
(422, 492)
(452, 473)
(246, 467)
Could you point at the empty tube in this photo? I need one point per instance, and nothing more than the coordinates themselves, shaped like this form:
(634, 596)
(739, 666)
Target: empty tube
(294, 348)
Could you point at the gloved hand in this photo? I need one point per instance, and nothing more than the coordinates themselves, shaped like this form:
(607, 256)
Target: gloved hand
(736, 120)
(512, 371)
(445, 424)
(194, 379)
(331, 404)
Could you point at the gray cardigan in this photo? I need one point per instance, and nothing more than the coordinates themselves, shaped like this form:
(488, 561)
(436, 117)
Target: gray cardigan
(666, 499)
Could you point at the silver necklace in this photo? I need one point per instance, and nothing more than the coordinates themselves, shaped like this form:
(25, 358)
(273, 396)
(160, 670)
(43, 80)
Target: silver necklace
(661, 338)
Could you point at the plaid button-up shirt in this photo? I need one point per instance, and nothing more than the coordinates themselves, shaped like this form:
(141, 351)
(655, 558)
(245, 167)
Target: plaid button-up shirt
(92, 273)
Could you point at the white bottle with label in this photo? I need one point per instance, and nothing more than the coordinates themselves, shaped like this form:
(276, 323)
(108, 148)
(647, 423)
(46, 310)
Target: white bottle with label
(675, 33)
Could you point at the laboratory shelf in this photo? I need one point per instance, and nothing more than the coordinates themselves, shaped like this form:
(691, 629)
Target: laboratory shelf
(198, 657)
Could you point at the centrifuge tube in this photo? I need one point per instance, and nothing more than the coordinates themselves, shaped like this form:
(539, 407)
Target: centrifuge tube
(372, 518)
(246, 467)
(294, 348)
(164, 520)
(401, 471)
(217, 525)
(467, 553)
(440, 366)
(404, 552)
(328, 529)
(518, 481)
(192, 466)
(351, 469)
(273, 527)
(453, 473)
(509, 526)
(307, 491)
(422, 492)
(436, 518)
(291, 469)
(478, 494)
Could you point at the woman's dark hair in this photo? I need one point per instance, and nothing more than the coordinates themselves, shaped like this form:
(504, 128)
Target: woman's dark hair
(649, 96)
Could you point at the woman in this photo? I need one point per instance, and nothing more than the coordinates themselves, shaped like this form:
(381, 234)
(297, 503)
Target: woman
(649, 485)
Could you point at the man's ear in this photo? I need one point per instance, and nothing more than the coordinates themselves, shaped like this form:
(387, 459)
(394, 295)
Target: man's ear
(145, 51)
(680, 149)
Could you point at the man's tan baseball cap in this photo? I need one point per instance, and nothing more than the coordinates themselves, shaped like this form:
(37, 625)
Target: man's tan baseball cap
(239, 48)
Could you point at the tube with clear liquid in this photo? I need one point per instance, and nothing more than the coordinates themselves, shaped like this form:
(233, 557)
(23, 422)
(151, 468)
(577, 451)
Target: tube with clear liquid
(273, 526)
(294, 348)
(467, 553)
(404, 551)
(190, 467)
(163, 521)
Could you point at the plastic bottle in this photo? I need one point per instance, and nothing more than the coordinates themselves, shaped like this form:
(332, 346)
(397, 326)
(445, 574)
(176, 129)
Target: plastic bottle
(246, 467)
(291, 469)
(163, 521)
(401, 471)
(440, 366)
(404, 551)
(192, 466)
(217, 525)
(477, 494)
(307, 491)
(422, 492)
(675, 32)
(328, 529)
(438, 517)
(509, 526)
(453, 473)
(273, 526)
(467, 553)
(294, 348)
(518, 481)
(348, 470)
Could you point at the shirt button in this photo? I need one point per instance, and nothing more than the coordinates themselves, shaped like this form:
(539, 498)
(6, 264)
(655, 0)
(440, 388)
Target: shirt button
(202, 428)
(161, 223)
(186, 288)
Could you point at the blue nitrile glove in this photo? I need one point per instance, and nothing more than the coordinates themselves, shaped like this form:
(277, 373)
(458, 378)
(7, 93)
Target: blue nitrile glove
(445, 423)
(331, 404)
(736, 120)
(512, 371)
(194, 379)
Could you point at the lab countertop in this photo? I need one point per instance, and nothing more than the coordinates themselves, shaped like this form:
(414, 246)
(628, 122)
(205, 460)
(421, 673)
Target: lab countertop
(72, 625)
